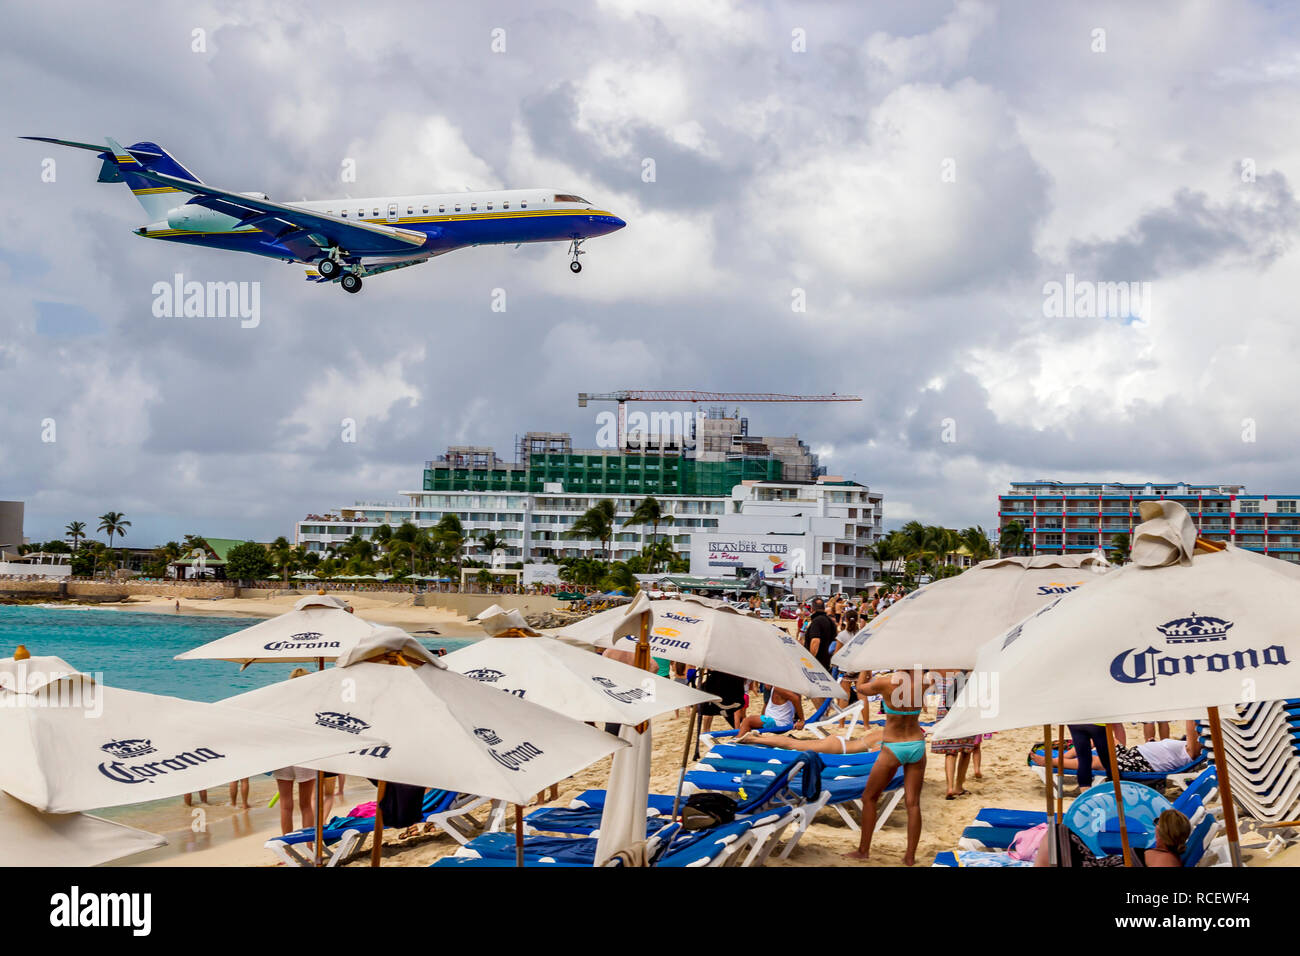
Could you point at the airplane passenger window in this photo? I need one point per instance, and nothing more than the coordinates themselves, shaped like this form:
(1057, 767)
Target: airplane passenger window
(506, 204)
(376, 212)
(473, 207)
(344, 214)
(458, 207)
(410, 210)
(441, 208)
(569, 197)
(489, 205)
(360, 213)
(426, 207)
(523, 204)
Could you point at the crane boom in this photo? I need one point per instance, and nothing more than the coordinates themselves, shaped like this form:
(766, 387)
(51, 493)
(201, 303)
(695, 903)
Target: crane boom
(641, 395)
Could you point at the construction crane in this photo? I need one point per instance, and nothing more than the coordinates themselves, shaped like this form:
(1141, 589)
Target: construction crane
(623, 396)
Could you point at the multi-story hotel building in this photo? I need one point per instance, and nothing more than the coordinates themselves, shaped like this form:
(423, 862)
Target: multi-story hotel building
(1064, 516)
(730, 489)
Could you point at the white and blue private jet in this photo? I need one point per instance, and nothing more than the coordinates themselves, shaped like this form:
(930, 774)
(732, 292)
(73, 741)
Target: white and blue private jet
(341, 240)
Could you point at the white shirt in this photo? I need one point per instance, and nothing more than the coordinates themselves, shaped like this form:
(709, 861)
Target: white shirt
(1165, 754)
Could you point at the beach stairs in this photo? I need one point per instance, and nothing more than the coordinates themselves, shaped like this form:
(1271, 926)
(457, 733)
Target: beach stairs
(1261, 751)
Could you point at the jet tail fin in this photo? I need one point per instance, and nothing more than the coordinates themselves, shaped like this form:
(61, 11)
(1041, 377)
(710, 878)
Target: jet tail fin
(121, 165)
(126, 163)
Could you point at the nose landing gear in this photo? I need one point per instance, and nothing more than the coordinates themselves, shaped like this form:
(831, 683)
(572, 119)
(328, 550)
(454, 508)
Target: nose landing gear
(574, 265)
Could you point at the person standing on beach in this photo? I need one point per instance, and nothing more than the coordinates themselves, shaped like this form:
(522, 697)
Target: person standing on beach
(287, 777)
(903, 745)
(819, 637)
(239, 788)
(957, 751)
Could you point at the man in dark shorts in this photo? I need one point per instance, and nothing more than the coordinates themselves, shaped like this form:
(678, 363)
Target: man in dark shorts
(732, 705)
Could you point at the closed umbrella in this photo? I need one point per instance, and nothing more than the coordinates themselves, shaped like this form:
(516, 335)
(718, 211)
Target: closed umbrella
(70, 743)
(1188, 626)
(441, 729)
(33, 838)
(943, 624)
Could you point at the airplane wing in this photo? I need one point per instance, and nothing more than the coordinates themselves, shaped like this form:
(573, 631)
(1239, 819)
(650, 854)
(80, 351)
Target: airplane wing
(288, 223)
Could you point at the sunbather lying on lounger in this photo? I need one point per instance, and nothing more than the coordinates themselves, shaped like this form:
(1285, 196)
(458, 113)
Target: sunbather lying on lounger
(824, 745)
(1172, 831)
(1154, 756)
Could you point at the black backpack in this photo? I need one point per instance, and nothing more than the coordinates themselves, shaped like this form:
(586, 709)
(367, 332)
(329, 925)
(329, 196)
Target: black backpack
(703, 811)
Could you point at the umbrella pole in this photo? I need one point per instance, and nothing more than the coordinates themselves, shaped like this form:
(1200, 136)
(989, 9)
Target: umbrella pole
(1060, 776)
(1047, 791)
(690, 732)
(320, 785)
(1119, 794)
(519, 835)
(642, 658)
(1225, 787)
(377, 849)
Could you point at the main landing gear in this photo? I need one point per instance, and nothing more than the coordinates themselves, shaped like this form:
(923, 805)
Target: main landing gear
(574, 265)
(328, 268)
(351, 283)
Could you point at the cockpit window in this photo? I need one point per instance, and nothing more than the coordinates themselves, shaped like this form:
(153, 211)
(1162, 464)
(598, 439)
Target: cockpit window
(569, 197)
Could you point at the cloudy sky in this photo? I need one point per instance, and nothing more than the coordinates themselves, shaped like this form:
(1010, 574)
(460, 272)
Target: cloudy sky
(918, 172)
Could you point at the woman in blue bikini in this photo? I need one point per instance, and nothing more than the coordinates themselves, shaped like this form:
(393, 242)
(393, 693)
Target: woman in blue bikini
(903, 745)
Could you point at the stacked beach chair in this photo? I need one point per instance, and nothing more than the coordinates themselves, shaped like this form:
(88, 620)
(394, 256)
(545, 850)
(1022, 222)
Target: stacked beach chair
(1262, 754)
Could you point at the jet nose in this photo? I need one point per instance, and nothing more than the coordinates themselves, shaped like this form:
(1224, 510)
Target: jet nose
(616, 224)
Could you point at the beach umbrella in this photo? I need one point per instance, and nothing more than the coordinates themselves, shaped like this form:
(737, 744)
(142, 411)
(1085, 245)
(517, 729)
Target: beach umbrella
(1190, 626)
(571, 680)
(944, 623)
(319, 628)
(69, 742)
(585, 686)
(33, 838)
(440, 729)
(709, 634)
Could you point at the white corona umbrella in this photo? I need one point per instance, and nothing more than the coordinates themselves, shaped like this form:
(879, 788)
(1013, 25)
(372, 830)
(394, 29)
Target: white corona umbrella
(708, 634)
(442, 730)
(585, 686)
(319, 627)
(70, 743)
(1188, 626)
(943, 624)
(32, 838)
(571, 680)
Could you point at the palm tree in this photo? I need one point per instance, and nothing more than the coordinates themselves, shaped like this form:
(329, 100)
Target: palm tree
(406, 539)
(1119, 546)
(489, 541)
(649, 512)
(596, 522)
(977, 543)
(113, 523)
(449, 534)
(1012, 540)
(282, 555)
(76, 530)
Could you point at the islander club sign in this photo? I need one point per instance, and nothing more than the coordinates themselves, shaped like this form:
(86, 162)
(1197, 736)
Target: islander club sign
(767, 555)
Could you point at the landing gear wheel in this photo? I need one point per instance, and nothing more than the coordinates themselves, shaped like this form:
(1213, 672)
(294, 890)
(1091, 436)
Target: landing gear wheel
(575, 266)
(351, 283)
(328, 268)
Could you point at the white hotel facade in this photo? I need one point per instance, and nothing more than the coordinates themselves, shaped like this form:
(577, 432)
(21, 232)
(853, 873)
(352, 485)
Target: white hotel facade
(822, 528)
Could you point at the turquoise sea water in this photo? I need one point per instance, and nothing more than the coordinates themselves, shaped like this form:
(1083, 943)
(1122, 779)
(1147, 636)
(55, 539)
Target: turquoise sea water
(135, 650)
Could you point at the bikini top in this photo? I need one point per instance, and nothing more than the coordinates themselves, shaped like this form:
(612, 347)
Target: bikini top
(899, 713)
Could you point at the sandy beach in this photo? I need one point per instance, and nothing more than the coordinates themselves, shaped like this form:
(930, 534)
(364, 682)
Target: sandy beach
(238, 838)
(392, 609)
